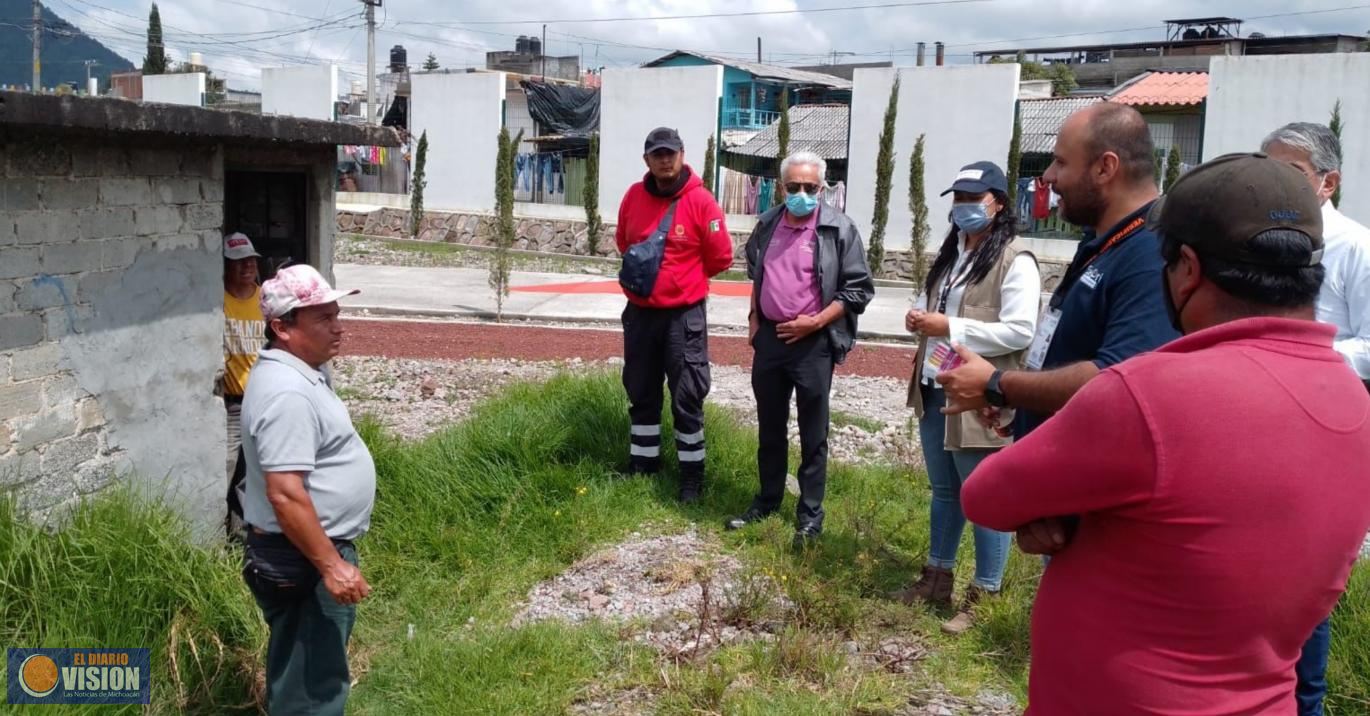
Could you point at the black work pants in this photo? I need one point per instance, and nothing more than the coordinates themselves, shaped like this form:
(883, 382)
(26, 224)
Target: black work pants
(670, 344)
(779, 370)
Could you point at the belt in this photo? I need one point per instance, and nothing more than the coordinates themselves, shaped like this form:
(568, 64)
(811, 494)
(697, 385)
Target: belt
(278, 537)
(233, 400)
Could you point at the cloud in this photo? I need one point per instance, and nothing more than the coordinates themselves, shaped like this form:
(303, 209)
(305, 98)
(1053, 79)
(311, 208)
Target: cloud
(237, 40)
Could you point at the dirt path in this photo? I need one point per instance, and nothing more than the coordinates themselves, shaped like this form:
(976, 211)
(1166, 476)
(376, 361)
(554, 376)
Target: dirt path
(450, 340)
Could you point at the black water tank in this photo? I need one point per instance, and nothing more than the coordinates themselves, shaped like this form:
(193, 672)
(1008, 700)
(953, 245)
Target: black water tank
(521, 45)
(534, 46)
(399, 59)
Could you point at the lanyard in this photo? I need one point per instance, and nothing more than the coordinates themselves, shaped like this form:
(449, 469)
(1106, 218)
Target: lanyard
(952, 281)
(1059, 296)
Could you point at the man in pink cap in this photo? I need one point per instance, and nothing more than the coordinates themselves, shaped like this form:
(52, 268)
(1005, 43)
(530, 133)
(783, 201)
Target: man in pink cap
(311, 484)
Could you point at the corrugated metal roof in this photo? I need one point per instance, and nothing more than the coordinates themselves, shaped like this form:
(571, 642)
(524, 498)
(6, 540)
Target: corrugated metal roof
(1042, 120)
(1178, 89)
(768, 72)
(819, 128)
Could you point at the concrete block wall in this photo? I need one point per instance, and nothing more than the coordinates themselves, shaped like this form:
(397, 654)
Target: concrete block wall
(110, 321)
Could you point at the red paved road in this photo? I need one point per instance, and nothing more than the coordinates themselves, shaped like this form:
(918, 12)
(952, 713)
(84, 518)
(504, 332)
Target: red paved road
(455, 341)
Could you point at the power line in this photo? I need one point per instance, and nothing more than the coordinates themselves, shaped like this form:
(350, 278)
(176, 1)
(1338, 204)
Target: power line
(749, 13)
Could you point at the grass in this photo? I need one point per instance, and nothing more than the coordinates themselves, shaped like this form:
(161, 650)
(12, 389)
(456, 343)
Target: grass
(468, 520)
(840, 419)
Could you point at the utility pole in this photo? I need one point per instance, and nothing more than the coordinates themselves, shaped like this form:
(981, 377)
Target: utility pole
(371, 60)
(37, 46)
(542, 50)
(758, 50)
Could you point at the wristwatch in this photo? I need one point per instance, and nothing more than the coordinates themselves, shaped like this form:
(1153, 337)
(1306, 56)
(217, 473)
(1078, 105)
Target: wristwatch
(993, 395)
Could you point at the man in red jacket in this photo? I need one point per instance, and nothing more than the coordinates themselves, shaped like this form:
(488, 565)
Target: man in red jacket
(666, 334)
(1201, 473)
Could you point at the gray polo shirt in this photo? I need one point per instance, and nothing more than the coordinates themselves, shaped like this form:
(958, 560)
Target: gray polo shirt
(294, 422)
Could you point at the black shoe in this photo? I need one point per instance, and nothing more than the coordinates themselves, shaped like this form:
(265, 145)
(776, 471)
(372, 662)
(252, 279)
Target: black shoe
(691, 484)
(807, 534)
(753, 514)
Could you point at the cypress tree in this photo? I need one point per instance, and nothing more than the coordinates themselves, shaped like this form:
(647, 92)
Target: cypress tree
(918, 206)
(782, 141)
(884, 172)
(501, 261)
(590, 195)
(417, 185)
(1015, 157)
(709, 165)
(1335, 126)
(155, 62)
(1172, 167)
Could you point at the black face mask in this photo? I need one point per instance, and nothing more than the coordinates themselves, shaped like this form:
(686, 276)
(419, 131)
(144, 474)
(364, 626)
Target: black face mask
(1171, 310)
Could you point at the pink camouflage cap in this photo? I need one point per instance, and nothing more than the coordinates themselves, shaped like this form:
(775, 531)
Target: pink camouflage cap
(297, 286)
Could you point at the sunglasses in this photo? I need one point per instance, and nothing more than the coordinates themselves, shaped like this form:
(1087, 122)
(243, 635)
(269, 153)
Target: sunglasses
(795, 188)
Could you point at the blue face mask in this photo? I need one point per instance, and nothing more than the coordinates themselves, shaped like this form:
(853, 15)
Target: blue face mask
(971, 218)
(801, 204)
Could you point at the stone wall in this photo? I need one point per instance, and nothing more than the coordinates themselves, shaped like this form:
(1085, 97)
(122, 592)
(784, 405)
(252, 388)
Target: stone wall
(555, 236)
(569, 237)
(110, 319)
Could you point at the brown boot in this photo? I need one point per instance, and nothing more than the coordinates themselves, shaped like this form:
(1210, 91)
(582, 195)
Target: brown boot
(965, 614)
(933, 586)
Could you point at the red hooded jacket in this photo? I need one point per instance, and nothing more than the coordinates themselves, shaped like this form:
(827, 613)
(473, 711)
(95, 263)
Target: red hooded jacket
(698, 246)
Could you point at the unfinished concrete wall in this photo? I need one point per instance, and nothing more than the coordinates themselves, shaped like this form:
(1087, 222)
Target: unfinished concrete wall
(966, 113)
(1248, 97)
(633, 102)
(185, 88)
(462, 113)
(300, 91)
(111, 321)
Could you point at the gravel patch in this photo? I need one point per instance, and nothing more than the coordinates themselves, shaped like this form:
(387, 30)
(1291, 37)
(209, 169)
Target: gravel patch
(688, 595)
(414, 398)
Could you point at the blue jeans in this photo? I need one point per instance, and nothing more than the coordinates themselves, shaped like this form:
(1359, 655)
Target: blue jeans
(947, 470)
(1311, 669)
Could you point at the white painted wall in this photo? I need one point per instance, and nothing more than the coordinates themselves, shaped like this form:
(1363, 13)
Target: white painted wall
(462, 113)
(633, 102)
(1248, 97)
(308, 91)
(187, 88)
(966, 111)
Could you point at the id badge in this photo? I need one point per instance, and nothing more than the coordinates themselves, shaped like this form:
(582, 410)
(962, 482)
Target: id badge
(1046, 328)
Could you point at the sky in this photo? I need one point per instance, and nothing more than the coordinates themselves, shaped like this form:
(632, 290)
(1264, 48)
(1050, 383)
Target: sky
(239, 37)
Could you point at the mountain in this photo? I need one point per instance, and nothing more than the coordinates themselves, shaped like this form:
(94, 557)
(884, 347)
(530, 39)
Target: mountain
(64, 52)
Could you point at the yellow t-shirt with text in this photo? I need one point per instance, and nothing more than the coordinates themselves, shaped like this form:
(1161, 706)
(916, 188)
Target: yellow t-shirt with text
(244, 336)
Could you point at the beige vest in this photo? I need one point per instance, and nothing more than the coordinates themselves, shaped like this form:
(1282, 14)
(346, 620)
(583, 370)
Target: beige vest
(981, 301)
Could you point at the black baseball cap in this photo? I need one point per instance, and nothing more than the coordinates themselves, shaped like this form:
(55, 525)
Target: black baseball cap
(663, 138)
(1218, 206)
(979, 178)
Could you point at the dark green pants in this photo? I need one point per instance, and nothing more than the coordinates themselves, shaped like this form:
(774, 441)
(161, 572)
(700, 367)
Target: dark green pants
(306, 655)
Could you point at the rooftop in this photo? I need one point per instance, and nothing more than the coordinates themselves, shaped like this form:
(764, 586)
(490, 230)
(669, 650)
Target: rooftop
(1257, 41)
(819, 128)
(1041, 120)
(110, 115)
(787, 75)
(1176, 89)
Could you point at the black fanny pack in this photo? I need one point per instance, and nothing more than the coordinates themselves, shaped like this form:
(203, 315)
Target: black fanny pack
(273, 566)
(642, 261)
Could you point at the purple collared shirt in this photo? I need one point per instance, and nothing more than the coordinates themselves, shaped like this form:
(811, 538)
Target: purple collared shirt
(790, 288)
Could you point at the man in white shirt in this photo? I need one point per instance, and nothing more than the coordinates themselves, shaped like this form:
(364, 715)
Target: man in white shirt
(1344, 302)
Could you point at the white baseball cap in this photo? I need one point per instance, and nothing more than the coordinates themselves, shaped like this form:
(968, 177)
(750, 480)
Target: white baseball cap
(237, 246)
(297, 286)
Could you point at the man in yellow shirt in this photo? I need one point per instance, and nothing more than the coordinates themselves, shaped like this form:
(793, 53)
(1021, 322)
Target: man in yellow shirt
(244, 335)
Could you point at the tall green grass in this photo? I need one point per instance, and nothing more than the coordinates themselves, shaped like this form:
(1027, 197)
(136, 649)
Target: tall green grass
(123, 573)
(469, 519)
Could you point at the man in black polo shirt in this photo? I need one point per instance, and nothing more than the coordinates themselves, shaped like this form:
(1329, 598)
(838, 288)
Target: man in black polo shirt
(1108, 306)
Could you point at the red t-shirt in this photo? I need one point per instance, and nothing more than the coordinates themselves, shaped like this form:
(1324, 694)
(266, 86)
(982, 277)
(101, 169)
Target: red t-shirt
(1223, 492)
(698, 246)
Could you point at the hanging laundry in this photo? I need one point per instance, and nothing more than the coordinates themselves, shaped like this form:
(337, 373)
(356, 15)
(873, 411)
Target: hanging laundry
(753, 192)
(1041, 199)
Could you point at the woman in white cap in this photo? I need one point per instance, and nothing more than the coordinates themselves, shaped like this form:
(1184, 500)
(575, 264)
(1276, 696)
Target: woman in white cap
(983, 292)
